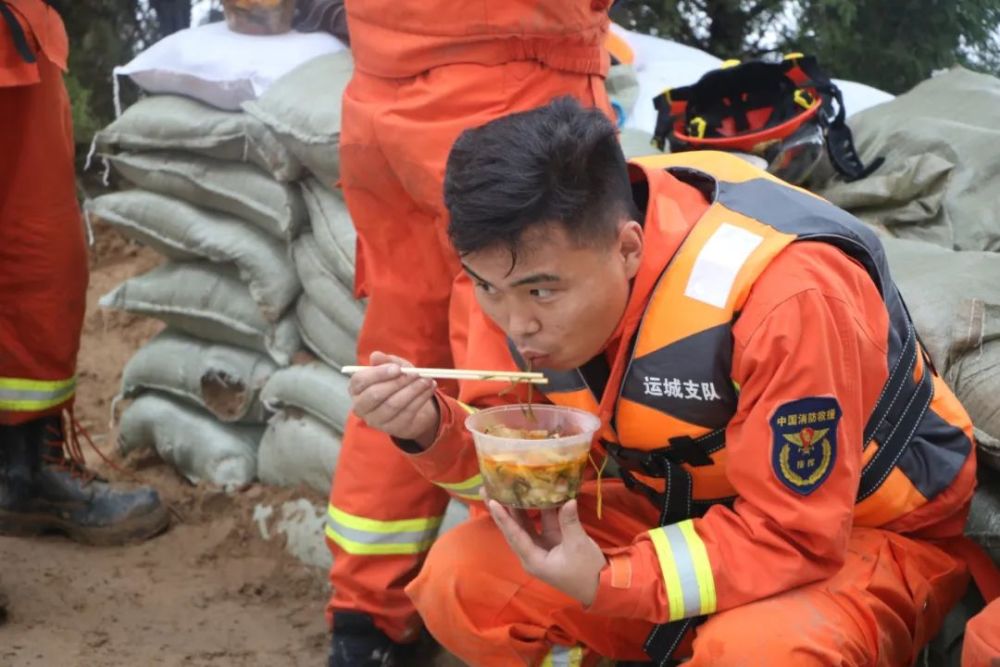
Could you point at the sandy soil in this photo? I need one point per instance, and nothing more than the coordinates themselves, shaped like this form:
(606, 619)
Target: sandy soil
(208, 592)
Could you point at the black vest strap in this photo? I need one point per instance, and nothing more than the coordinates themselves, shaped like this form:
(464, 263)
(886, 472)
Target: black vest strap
(896, 417)
(17, 34)
(663, 641)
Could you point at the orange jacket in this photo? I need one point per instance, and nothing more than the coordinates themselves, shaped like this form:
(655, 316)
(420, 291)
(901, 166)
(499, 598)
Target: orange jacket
(813, 325)
(44, 31)
(394, 39)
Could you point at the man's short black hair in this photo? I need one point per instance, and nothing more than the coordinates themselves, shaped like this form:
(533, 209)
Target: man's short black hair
(557, 163)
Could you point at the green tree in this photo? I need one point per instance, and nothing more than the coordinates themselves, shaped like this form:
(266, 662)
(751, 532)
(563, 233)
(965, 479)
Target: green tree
(895, 45)
(890, 45)
(102, 35)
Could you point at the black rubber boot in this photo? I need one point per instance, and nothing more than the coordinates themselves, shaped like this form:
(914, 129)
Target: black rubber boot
(42, 490)
(358, 643)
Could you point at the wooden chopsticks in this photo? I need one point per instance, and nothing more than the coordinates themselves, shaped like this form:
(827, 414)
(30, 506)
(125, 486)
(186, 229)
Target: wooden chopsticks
(461, 374)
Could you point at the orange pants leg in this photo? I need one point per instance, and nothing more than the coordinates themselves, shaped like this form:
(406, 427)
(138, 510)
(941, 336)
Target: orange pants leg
(43, 255)
(482, 606)
(982, 638)
(394, 146)
(383, 515)
(882, 606)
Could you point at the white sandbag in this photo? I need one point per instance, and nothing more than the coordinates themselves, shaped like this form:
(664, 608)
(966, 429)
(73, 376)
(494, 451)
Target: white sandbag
(222, 379)
(172, 122)
(202, 448)
(314, 388)
(324, 289)
(181, 231)
(207, 301)
(333, 229)
(298, 450)
(220, 67)
(955, 303)
(240, 189)
(303, 110)
(324, 336)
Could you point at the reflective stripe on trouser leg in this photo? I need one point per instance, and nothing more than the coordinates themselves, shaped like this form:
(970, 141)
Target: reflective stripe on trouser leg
(371, 537)
(23, 395)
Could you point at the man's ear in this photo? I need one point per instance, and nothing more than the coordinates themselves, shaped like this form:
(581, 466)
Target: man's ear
(630, 246)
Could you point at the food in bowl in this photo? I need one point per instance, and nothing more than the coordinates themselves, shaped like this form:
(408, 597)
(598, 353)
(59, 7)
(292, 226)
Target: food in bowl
(532, 458)
(535, 480)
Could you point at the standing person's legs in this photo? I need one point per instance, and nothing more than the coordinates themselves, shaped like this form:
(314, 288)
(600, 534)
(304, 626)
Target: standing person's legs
(43, 255)
(383, 516)
(43, 283)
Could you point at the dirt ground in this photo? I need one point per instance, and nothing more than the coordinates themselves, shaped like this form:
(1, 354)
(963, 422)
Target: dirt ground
(209, 592)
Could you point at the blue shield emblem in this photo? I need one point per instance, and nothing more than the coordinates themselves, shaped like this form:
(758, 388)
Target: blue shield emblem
(804, 442)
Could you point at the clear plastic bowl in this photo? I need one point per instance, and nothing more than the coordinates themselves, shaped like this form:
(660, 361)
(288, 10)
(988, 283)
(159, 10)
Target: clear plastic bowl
(527, 472)
(259, 17)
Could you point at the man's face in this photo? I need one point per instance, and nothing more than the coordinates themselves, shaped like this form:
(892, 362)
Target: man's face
(561, 300)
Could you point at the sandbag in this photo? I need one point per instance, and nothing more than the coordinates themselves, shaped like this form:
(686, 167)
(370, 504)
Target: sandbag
(622, 86)
(637, 143)
(314, 388)
(199, 446)
(324, 289)
(173, 122)
(983, 524)
(941, 172)
(298, 450)
(324, 336)
(332, 228)
(303, 110)
(207, 301)
(222, 379)
(220, 67)
(954, 299)
(240, 189)
(181, 231)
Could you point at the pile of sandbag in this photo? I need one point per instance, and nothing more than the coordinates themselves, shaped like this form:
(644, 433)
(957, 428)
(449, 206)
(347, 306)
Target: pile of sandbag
(228, 171)
(933, 200)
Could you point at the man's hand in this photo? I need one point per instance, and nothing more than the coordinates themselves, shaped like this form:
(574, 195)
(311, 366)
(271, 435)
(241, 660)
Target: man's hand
(394, 402)
(562, 554)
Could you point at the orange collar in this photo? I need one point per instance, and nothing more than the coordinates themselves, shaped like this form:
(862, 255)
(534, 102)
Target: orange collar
(673, 209)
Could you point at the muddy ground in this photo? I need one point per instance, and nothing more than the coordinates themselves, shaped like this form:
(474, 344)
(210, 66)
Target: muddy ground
(209, 592)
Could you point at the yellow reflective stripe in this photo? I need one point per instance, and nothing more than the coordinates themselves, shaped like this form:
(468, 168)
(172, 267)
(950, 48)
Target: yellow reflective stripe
(469, 489)
(564, 656)
(702, 567)
(392, 549)
(376, 526)
(367, 537)
(687, 572)
(23, 395)
(468, 408)
(671, 578)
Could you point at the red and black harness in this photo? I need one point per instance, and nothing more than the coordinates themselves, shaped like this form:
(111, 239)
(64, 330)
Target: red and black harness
(748, 107)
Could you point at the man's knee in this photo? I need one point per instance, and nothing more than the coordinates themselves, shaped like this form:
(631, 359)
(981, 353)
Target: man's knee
(469, 575)
(816, 633)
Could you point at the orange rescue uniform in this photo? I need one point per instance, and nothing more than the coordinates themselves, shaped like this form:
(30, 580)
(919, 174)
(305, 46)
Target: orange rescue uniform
(774, 545)
(425, 72)
(43, 258)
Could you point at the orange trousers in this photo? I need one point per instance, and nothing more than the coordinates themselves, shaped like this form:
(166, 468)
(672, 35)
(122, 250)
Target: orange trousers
(884, 604)
(982, 638)
(396, 137)
(43, 254)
